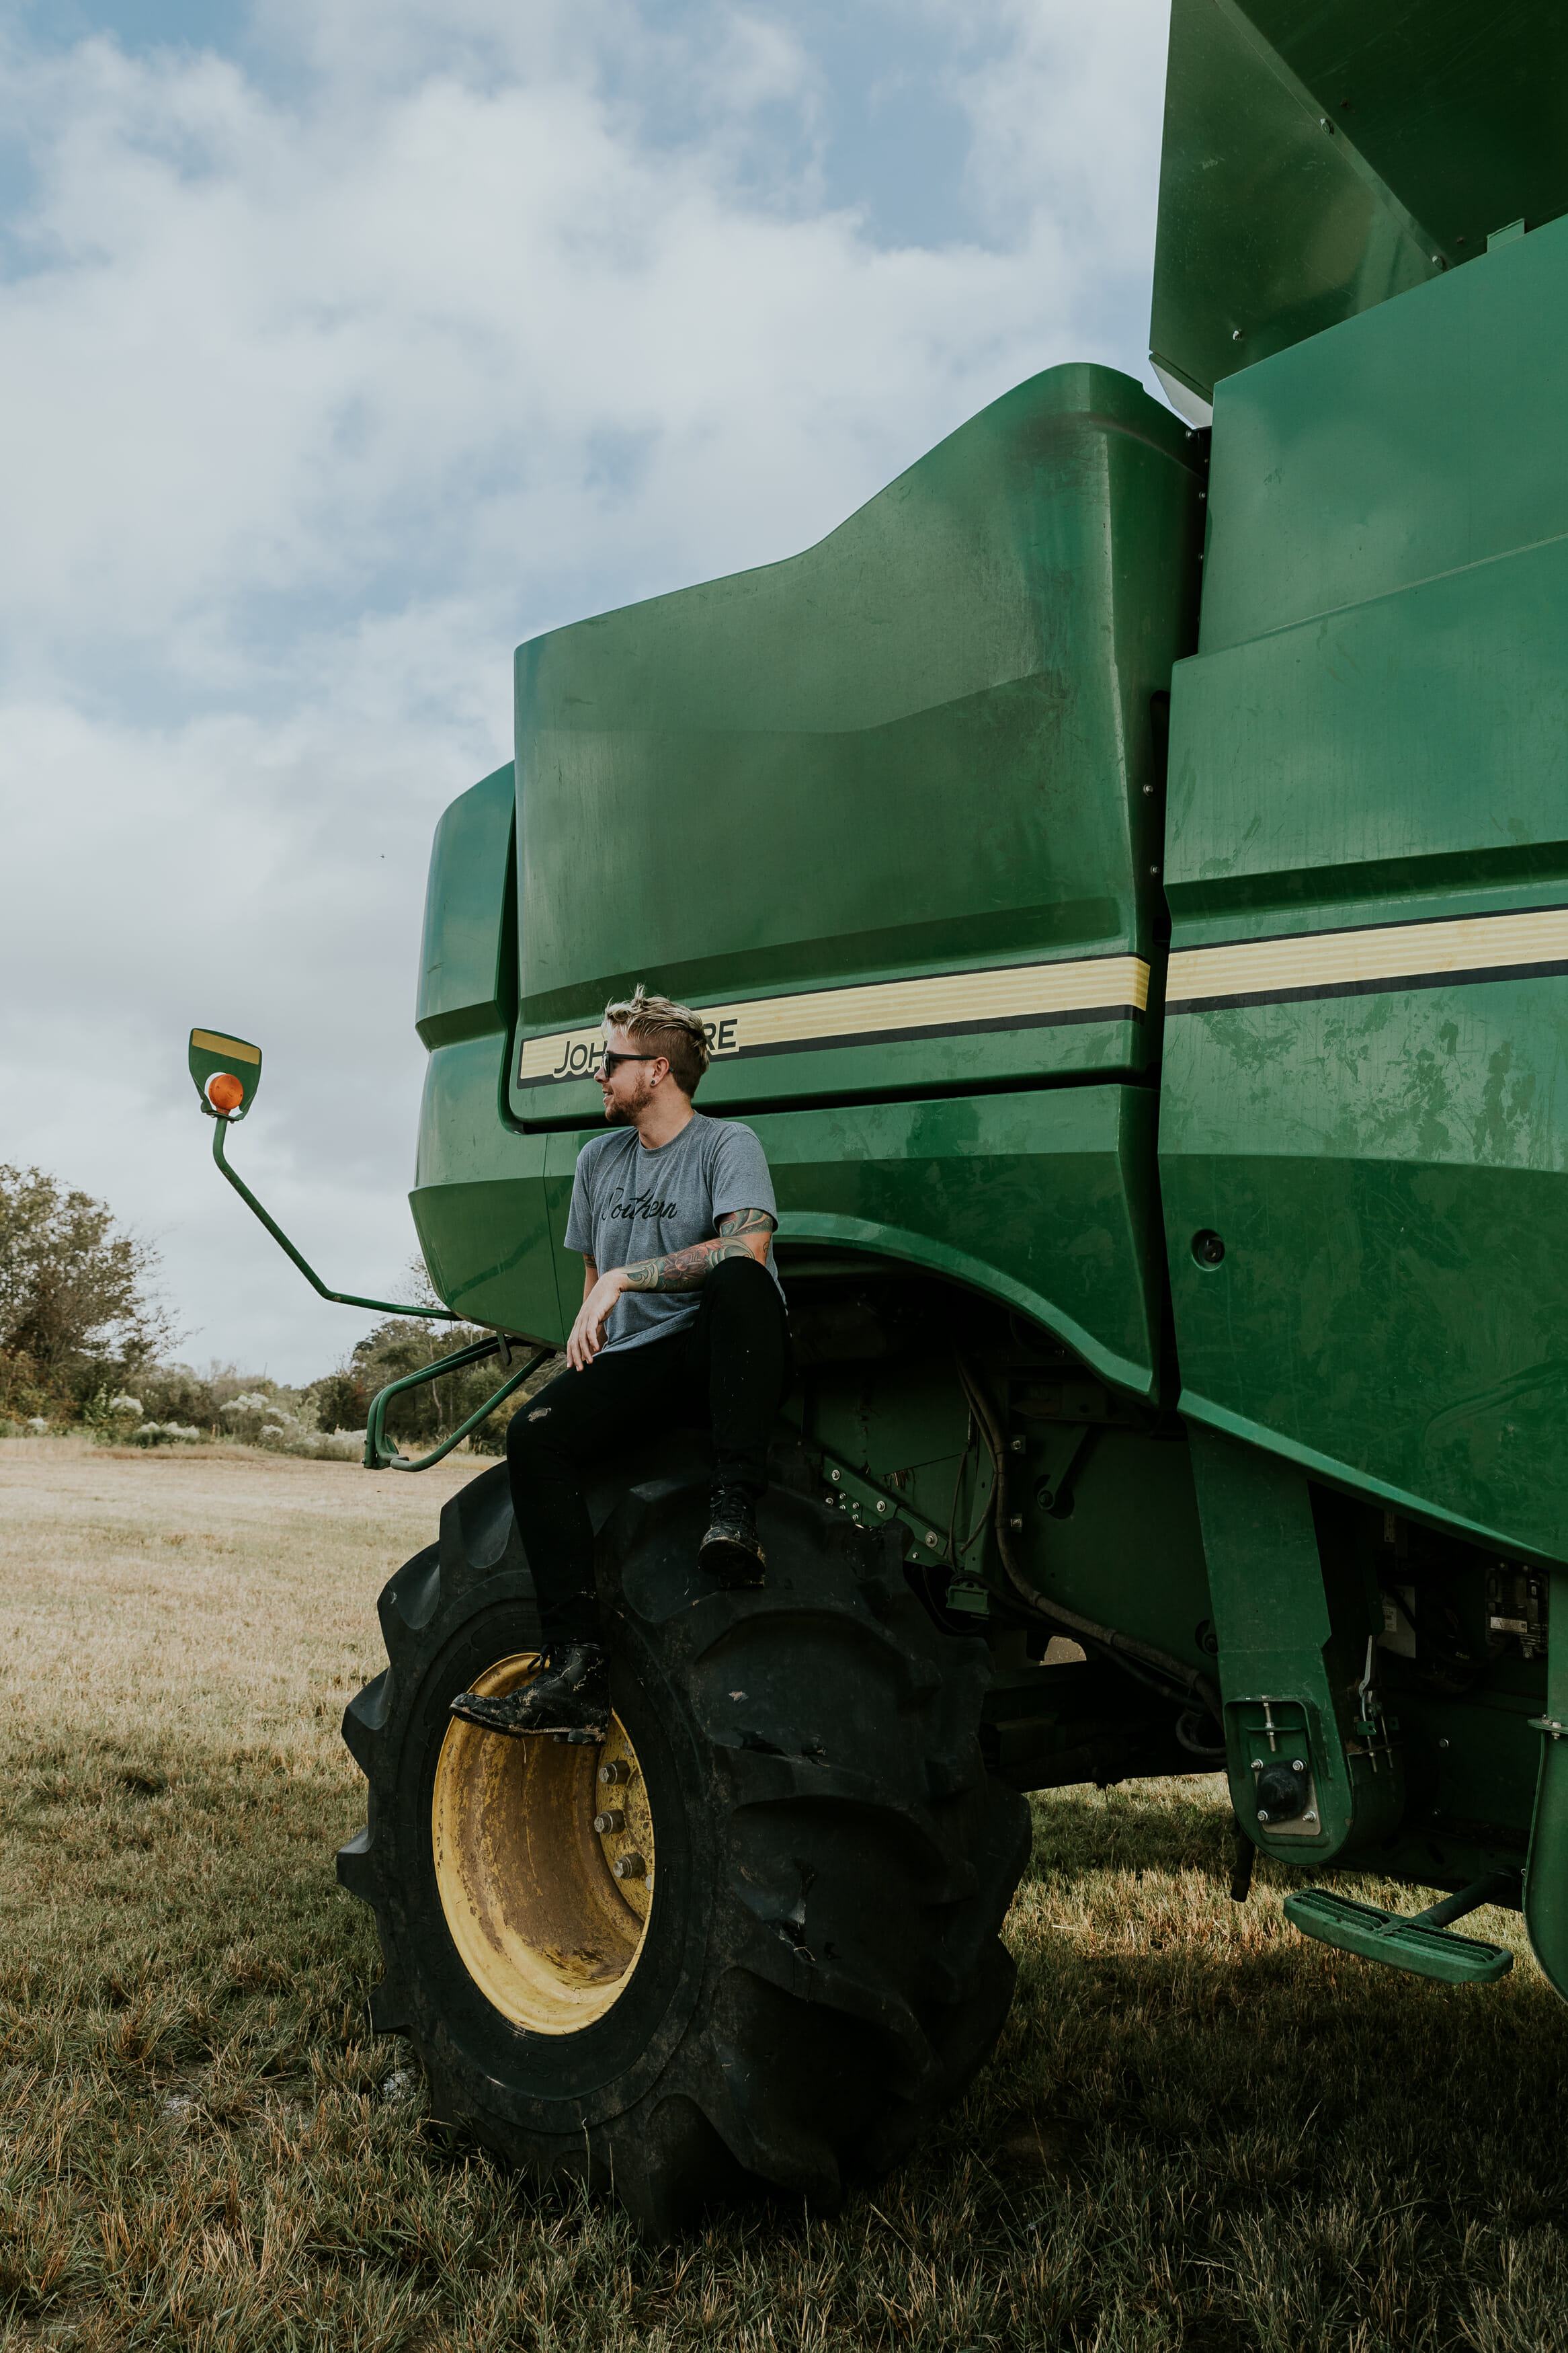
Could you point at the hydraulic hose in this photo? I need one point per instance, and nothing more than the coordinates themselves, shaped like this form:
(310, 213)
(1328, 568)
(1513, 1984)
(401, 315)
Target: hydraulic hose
(1188, 1681)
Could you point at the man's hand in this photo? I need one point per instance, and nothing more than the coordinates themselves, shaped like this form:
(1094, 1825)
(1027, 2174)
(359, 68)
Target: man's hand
(587, 1337)
(743, 1233)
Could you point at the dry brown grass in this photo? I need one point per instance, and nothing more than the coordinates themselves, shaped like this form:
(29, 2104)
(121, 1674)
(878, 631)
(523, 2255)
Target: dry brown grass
(1200, 2131)
(207, 1589)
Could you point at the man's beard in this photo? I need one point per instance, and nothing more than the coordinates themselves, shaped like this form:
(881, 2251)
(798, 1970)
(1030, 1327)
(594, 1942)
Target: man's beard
(624, 1113)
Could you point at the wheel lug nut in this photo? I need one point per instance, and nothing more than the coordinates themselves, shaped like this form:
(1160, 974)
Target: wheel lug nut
(615, 1774)
(606, 1823)
(630, 1866)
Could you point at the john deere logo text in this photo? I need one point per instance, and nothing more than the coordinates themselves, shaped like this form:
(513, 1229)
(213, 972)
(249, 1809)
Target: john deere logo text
(579, 1056)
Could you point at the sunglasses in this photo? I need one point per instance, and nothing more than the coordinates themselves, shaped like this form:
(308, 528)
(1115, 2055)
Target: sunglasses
(608, 1064)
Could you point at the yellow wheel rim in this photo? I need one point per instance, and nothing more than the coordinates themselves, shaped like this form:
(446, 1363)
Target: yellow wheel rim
(547, 1927)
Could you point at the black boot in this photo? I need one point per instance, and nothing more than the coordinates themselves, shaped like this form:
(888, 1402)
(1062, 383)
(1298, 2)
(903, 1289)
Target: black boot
(732, 1550)
(570, 1697)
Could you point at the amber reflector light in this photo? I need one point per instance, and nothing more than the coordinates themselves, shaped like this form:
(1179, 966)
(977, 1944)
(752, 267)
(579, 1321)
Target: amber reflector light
(224, 1092)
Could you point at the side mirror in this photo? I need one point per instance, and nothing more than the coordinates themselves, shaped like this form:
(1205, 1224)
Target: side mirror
(226, 1073)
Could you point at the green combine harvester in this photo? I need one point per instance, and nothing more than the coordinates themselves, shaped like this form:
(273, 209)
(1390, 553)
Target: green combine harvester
(1124, 873)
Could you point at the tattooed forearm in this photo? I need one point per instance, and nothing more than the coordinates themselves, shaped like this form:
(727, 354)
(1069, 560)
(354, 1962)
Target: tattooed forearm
(684, 1269)
(743, 1233)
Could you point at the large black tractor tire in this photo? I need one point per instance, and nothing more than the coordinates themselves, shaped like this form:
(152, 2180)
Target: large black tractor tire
(781, 1956)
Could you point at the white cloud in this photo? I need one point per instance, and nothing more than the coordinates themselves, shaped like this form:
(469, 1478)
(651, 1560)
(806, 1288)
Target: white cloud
(332, 374)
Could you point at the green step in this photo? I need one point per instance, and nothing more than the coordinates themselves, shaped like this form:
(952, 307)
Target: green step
(1399, 1938)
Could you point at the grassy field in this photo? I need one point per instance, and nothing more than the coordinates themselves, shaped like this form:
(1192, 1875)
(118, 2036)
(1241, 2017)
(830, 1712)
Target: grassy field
(1200, 2130)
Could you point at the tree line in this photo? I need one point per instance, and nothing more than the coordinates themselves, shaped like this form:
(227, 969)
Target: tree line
(84, 1337)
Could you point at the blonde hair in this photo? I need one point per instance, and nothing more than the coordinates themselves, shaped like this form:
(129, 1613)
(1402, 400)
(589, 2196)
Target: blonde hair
(672, 1029)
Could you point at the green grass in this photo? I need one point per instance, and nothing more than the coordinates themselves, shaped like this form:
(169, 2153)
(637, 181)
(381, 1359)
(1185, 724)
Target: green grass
(1199, 2130)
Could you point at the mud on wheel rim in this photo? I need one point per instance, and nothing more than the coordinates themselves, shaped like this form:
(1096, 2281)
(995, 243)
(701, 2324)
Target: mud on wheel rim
(544, 1861)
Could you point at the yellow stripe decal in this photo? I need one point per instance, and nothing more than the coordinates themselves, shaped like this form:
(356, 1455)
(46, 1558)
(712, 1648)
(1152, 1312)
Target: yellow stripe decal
(1350, 963)
(1016, 996)
(209, 1042)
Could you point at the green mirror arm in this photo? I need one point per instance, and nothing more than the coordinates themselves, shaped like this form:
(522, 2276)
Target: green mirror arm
(340, 1298)
(380, 1456)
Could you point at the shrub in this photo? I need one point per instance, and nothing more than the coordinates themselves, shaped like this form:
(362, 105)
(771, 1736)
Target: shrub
(108, 1418)
(317, 1445)
(421, 1418)
(24, 1393)
(180, 1393)
(285, 1422)
(243, 1415)
(75, 1296)
(343, 1400)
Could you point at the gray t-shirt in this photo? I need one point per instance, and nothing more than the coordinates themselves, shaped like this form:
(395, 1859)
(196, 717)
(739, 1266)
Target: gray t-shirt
(629, 1204)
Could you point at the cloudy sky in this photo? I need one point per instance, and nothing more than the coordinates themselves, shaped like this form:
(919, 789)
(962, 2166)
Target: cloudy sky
(349, 342)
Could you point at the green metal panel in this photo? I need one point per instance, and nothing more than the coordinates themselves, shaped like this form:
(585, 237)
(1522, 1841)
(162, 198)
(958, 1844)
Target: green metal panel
(490, 1250)
(481, 1202)
(1317, 160)
(944, 713)
(915, 753)
(1272, 227)
(1384, 454)
(1043, 1201)
(1391, 1303)
(1368, 874)
(1402, 758)
(466, 975)
(1131, 1553)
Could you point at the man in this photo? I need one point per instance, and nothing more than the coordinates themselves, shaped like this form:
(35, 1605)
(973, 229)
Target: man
(682, 1319)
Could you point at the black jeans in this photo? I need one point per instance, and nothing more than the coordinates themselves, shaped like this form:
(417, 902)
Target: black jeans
(727, 1368)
